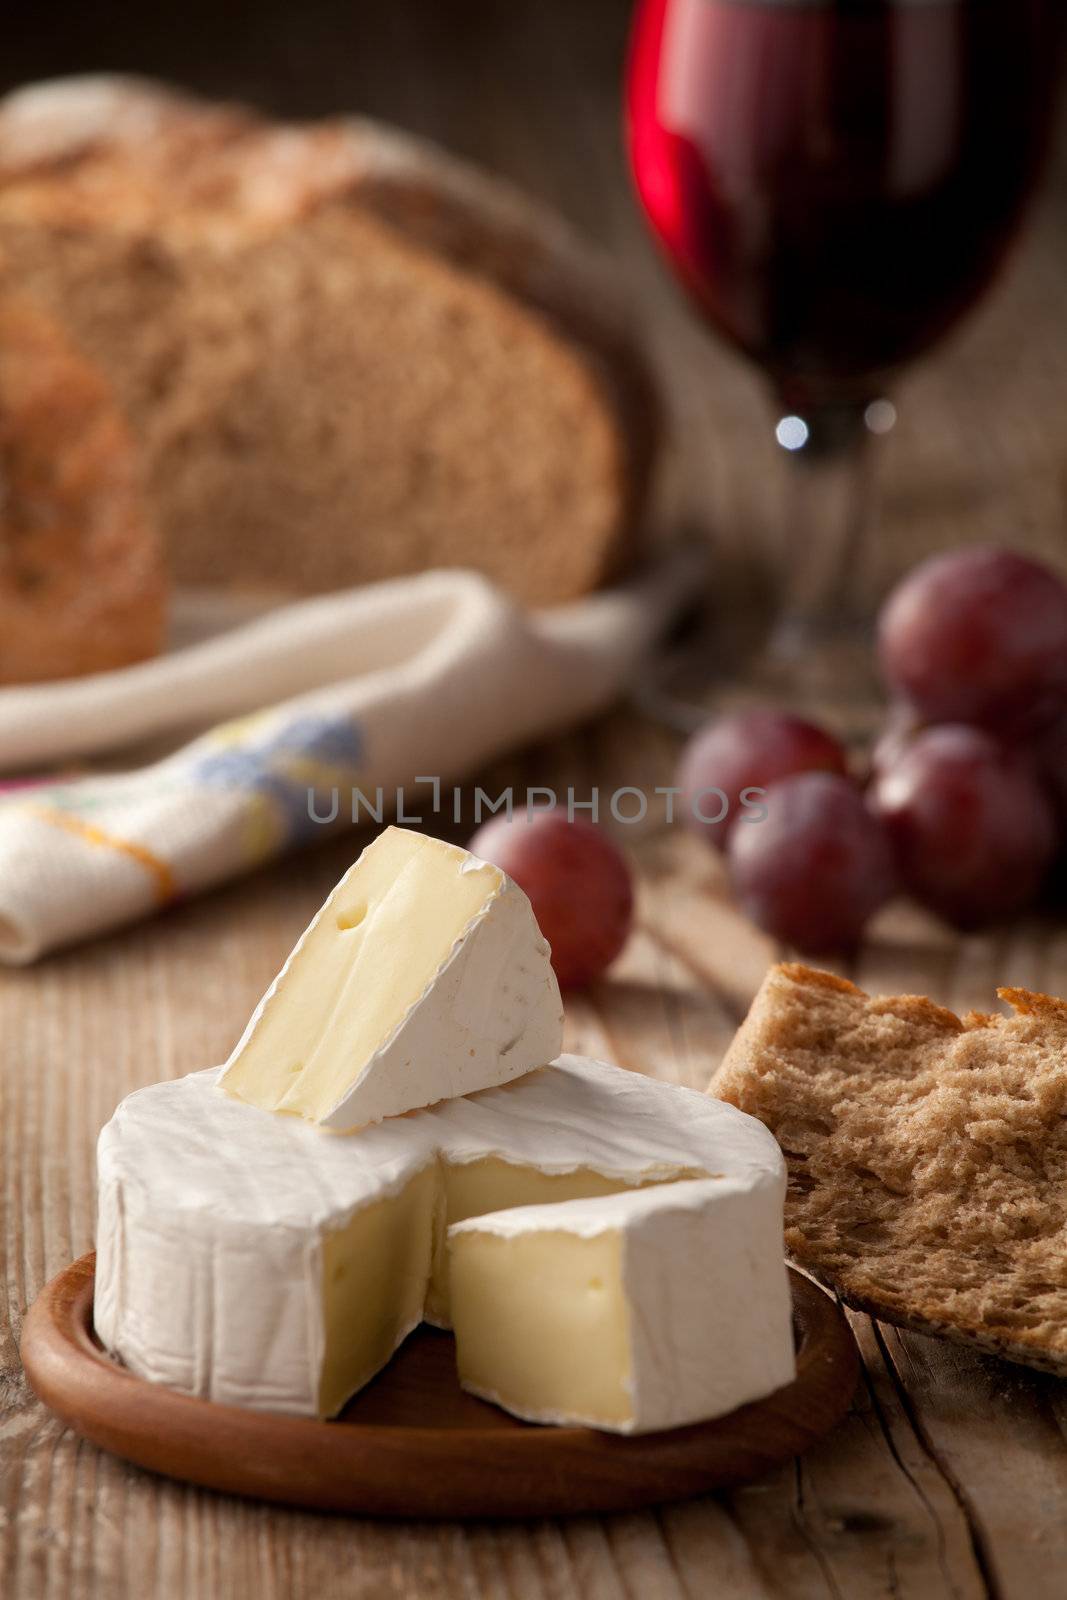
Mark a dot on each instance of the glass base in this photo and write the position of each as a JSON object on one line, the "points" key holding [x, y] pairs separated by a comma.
{"points": [[829, 677]]}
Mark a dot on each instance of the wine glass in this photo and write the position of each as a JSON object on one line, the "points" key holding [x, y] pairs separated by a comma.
{"points": [[835, 182]]}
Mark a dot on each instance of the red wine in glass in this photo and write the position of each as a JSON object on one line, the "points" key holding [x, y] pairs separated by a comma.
{"points": [[836, 182]]}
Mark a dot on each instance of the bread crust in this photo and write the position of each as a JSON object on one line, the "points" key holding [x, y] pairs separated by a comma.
{"points": [[136, 160], [926, 1154]]}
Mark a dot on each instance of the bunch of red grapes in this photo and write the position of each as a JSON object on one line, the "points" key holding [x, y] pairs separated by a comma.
{"points": [[964, 803]]}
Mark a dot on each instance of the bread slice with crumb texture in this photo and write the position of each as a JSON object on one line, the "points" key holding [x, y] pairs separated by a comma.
{"points": [[82, 581], [346, 356], [927, 1154]]}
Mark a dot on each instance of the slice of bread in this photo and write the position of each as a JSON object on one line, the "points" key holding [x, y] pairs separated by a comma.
{"points": [[82, 586], [347, 356], [927, 1154]]}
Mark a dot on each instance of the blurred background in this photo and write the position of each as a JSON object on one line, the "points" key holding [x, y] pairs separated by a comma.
{"points": [[531, 89], [837, 184]]}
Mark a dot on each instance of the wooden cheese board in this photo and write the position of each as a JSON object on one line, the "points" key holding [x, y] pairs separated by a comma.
{"points": [[413, 1444]]}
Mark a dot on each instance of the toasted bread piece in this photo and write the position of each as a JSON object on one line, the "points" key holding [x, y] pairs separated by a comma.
{"points": [[345, 355], [82, 586], [927, 1154]]}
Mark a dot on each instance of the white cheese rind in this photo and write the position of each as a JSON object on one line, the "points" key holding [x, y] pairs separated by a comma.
{"points": [[212, 1213], [491, 1010], [705, 1295], [210, 1222]]}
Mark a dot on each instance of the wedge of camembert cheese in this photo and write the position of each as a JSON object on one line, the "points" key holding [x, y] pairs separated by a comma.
{"points": [[256, 1260], [622, 1313], [423, 977]]}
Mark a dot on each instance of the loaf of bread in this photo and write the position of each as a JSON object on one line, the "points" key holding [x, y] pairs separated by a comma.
{"points": [[82, 585], [346, 356], [927, 1154]]}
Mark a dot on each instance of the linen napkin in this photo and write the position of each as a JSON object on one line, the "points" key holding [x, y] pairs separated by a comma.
{"points": [[368, 690]]}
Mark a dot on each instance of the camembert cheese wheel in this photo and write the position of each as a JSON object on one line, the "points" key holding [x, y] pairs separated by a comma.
{"points": [[259, 1260]]}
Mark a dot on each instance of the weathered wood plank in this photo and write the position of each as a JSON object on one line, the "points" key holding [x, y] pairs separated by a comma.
{"points": [[948, 1477], [896, 1503]]}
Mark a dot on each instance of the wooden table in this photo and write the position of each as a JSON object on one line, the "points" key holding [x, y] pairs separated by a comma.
{"points": [[949, 1477]]}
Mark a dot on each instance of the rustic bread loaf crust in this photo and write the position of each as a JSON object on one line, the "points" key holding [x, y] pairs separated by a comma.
{"points": [[82, 587], [927, 1154], [347, 356]]}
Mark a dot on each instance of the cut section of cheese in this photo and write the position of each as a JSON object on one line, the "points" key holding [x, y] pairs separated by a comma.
{"points": [[645, 1310], [259, 1261], [492, 1184], [375, 1272], [423, 977]]}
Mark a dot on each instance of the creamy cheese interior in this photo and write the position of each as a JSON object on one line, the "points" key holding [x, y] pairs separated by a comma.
{"points": [[389, 1268], [367, 958], [374, 1276], [478, 1187], [542, 1324]]}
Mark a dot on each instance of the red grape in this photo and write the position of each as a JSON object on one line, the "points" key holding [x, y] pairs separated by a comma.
{"points": [[972, 828], [816, 868], [750, 750], [978, 636], [577, 881]]}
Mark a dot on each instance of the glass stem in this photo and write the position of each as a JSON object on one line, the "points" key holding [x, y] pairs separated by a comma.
{"points": [[825, 594]]}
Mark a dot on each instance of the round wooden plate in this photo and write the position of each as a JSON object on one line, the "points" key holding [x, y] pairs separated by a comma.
{"points": [[412, 1444]]}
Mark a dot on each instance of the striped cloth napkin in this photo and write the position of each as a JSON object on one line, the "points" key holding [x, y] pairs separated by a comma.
{"points": [[267, 728]]}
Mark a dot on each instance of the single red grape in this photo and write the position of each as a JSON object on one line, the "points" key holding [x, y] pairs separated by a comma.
{"points": [[978, 636], [577, 881], [749, 750], [972, 828], [816, 868]]}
